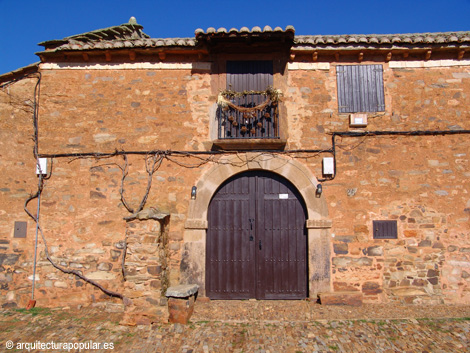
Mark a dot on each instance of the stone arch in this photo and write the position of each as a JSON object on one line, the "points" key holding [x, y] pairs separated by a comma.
{"points": [[193, 257], [302, 178]]}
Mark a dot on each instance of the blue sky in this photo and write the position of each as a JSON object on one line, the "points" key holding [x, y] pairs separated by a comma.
{"points": [[25, 23]]}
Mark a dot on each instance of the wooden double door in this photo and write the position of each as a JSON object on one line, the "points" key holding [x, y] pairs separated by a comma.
{"points": [[256, 239]]}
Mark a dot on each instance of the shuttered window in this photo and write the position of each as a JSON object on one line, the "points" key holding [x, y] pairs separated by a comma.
{"points": [[360, 88]]}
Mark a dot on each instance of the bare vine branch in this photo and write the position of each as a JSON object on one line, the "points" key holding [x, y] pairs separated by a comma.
{"points": [[60, 268], [125, 171], [152, 164]]}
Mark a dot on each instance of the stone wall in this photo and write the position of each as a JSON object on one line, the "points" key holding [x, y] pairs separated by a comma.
{"points": [[105, 110], [18, 180], [420, 181]]}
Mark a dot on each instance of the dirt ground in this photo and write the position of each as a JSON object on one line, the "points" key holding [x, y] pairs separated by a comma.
{"points": [[245, 326]]}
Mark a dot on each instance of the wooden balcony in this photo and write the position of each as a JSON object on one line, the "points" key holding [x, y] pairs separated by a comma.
{"points": [[249, 121], [251, 116]]}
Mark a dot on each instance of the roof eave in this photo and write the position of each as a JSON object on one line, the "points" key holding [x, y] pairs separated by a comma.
{"points": [[19, 73]]}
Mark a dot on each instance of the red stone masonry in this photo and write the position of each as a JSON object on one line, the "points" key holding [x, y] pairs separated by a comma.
{"points": [[165, 100]]}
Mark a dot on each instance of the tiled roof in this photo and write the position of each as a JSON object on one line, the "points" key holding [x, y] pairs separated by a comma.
{"points": [[130, 35], [385, 39], [73, 44], [243, 30], [21, 72], [127, 35]]}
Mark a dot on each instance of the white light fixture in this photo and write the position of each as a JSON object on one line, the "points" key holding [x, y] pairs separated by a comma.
{"points": [[319, 190]]}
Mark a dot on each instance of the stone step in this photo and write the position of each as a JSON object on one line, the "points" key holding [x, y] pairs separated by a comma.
{"points": [[341, 298]]}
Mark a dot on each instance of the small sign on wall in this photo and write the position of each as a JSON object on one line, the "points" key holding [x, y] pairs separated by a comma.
{"points": [[283, 196], [358, 120]]}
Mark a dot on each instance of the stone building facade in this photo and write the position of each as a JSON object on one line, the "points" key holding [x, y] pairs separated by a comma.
{"points": [[143, 135]]}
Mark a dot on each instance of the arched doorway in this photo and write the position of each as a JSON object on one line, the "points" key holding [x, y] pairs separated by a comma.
{"points": [[256, 244]]}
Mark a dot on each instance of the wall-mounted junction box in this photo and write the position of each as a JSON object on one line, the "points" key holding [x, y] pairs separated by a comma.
{"points": [[41, 167], [328, 166], [358, 120]]}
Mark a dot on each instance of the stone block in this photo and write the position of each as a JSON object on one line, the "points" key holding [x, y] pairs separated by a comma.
{"points": [[409, 291], [9, 305], [9, 259], [97, 195], [425, 243], [150, 239], [180, 309], [154, 270], [341, 248], [351, 261], [344, 287], [182, 290], [60, 284], [101, 275], [410, 233], [371, 288], [346, 238], [105, 266], [374, 251], [452, 248], [341, 298], [156, 284], [361, 229]]}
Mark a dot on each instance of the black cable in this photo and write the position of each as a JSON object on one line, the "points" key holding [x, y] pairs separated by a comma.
{"points": [[386, 133], [171, 152], [331, 150], [403, 133]]}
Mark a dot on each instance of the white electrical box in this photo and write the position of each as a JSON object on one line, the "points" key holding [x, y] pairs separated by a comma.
{"points": [[41, 167], [358, 120], [328, 166]]}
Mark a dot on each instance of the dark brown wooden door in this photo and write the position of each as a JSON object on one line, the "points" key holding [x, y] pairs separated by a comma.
{"points": [[256, 239]]}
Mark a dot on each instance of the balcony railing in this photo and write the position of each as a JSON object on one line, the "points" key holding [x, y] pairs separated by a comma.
{"points": [[250, 116]]}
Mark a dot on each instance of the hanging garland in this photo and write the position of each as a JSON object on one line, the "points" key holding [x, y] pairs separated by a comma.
{"points": [[272, 95]]}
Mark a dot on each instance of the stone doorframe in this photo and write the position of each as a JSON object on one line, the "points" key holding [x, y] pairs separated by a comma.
{"points": [[193, 260]]}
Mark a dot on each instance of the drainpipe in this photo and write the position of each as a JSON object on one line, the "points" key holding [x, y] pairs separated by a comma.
{"points": [[32, 302]]}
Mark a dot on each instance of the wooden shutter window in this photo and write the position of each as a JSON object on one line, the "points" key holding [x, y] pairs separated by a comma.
{"points": [[360, 88], [249, 75], [385, 229]]}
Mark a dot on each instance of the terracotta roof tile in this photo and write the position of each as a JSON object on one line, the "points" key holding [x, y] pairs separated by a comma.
{"points": [[130, 35], [256, 29], [410, 38], [8, 77]]}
